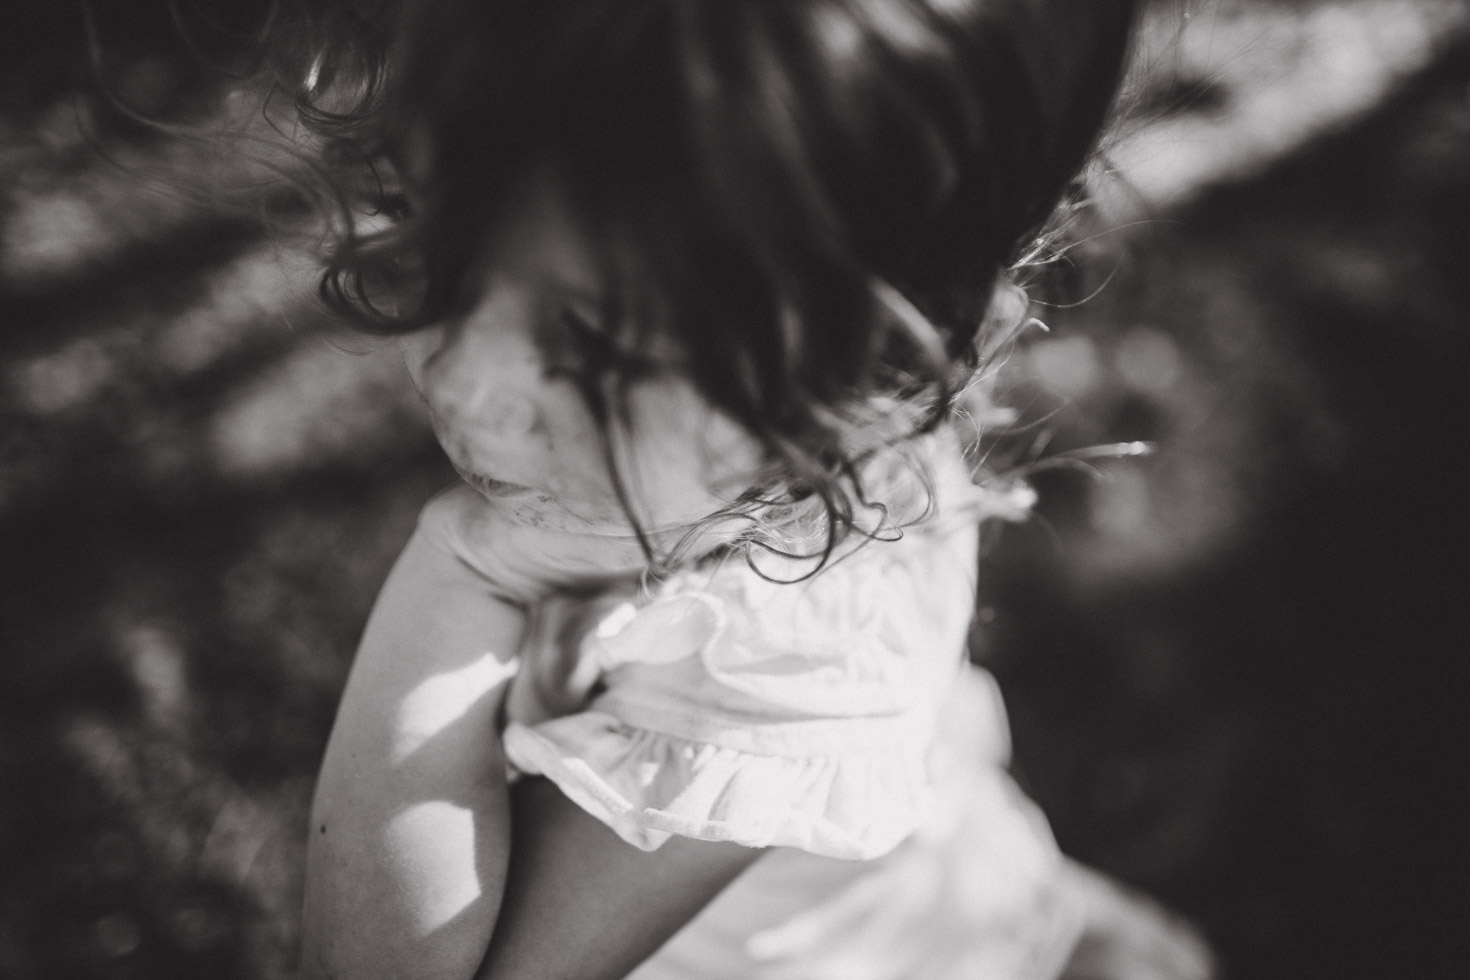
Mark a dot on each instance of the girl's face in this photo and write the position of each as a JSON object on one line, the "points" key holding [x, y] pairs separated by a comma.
{"points": [[499, 389]]}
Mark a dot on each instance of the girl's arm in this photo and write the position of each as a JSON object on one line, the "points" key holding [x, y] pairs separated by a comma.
{"points": [[409, 832], [582, 902], [409, 839]]}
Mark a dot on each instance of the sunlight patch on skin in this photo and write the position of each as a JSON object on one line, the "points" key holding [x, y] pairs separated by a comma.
{"points": [[443, 699], [441, 884]]}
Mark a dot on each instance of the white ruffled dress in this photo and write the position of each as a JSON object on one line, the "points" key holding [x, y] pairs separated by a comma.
{"points": [[836, 722]]}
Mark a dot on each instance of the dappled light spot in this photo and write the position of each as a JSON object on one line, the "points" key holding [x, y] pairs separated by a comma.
{"points": [[56, 232], [441, 700], [63, 380], [1159, 516], [62, 221], [45, 233], [318, 405], [1122, 508], [1148, 359], [1067, 366], [259, 292], [235, 838], [103, 750], [157, 665], [441, 886], [118, 934], [1280, 76]]}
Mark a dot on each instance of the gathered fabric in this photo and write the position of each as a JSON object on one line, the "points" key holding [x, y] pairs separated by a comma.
{"points": [[834, 721], [729, 707], [648, 786]]}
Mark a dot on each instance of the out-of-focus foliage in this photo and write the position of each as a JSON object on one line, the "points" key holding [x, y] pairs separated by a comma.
{"points": [[1219, 657]]}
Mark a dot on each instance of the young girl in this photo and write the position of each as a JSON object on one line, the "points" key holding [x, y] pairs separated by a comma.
{"points": [[674, 685]]}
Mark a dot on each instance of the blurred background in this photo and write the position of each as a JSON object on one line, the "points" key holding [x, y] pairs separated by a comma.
{"points": [[1234, 666]]}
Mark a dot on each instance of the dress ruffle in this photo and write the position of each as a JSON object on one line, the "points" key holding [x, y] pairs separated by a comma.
{"points": [[648, 786], [765, 710]]}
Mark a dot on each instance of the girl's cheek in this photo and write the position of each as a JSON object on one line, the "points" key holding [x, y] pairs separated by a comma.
{"points": [[576, 463], [681, 461], [478, 395], [418, 348]]}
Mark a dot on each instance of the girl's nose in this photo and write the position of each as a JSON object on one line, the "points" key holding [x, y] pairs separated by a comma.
{"points": [[498, 415], [477, 395]]}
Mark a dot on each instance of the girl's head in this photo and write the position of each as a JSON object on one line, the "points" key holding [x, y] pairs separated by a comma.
{"points": [[506, 384], [784, 213]]}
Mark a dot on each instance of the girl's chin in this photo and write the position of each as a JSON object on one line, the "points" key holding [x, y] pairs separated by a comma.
{"points": [[489, 487], [534, 509]]}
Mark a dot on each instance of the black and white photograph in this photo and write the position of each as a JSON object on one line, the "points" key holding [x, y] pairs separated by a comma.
{"points": [[734, 489]]}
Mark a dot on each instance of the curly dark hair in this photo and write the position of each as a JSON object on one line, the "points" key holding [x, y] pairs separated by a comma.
{"points": [[812, 200]]}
